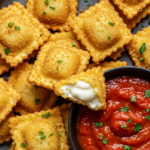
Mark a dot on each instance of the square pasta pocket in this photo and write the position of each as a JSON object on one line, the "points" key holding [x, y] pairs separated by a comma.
{"points": [[20, 34], [56, 61], [101, 30], [54, 14]]}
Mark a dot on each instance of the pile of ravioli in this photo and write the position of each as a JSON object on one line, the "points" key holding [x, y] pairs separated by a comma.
{"points": [[69, 63]]}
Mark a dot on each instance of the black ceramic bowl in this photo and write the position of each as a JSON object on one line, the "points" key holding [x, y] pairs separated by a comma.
{"points": [[113, 73]]}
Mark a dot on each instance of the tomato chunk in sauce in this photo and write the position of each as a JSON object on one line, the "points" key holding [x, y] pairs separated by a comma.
{"points": [[125, 124]]}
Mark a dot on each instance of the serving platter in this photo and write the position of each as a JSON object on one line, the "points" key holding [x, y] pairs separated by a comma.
{"points": [[81, 5]]}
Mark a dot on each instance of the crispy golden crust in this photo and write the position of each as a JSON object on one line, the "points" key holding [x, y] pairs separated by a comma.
{"points": [[65, 109], [134, 46], [131, 8], [20, 135], [58, 19], [23, 42], [94, 77], [117, 54], [12, 146], [47, 70], [131, 23], [9, 99], [4, 67], [5, 135], [108, 65], [106, 47], [30, 92]]}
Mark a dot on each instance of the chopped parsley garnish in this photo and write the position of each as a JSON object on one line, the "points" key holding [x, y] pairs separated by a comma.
{"points": [[129, 120], [36, 86], [22, 145], [85, 0], [73, 45], [89, 4], [44, 13], [142, 48], [46, 115], [46, 2], [10, 24], [142, 26], [6, 50], [52, 8], [142, 59], [149, 22], [126, 147], [133, 99], [147, 110], [51, 134], [105, 141], [37, 101], [98, 124], [101, 136], [60, 61], [17, 28], [110, 23], [59, 133], [57, 69], [137, 127], [109, 38], [124, 109], [148, 117], [43, 136], [123, 126], [147, 93]]}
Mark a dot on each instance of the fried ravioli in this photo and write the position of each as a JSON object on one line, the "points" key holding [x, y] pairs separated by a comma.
{"points": [[53, 14], [86, 88], [4, 67], [36, 131], [117, 54], [55, 62], [20, 34], [101, 30]]}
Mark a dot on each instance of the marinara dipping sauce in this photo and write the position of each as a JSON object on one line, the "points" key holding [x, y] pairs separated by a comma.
{"points": [[125, 124]]}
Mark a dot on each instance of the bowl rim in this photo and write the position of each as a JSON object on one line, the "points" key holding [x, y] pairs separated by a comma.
{"points": [[109, 74]]}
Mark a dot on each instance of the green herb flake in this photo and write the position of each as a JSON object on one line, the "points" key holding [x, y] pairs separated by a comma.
{"points": [[43, 136], [142, 48], [6, 50], [85, 0], [60, 61], [46, 115], [59, 132], [133, 99], [124, 109], [98, 124], [142, 26], [73, 45], [109, 38], [101, 136], [137, 127], [10, 24], [46, 2], [147, 93], [110, 23], [17, 28], [36, 87], [44, 13], [52, 8], [148, 117], [147, 110], [37, 101], [89, 4], [105, 141], [142, 59], [22, 145], [126, 147], [57, 69], [129, 120], [51, 134], [123, 126], [149, 22]]}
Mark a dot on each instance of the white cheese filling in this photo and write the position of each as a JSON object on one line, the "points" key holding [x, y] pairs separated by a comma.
{"points": [[81, 92]]}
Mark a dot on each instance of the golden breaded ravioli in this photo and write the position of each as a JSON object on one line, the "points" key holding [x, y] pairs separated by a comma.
{"points": [[4, 67], [41, 130], [54, 14], [56, 61], [117, 54], [101, 30], [86, 88], [20, 34]]}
